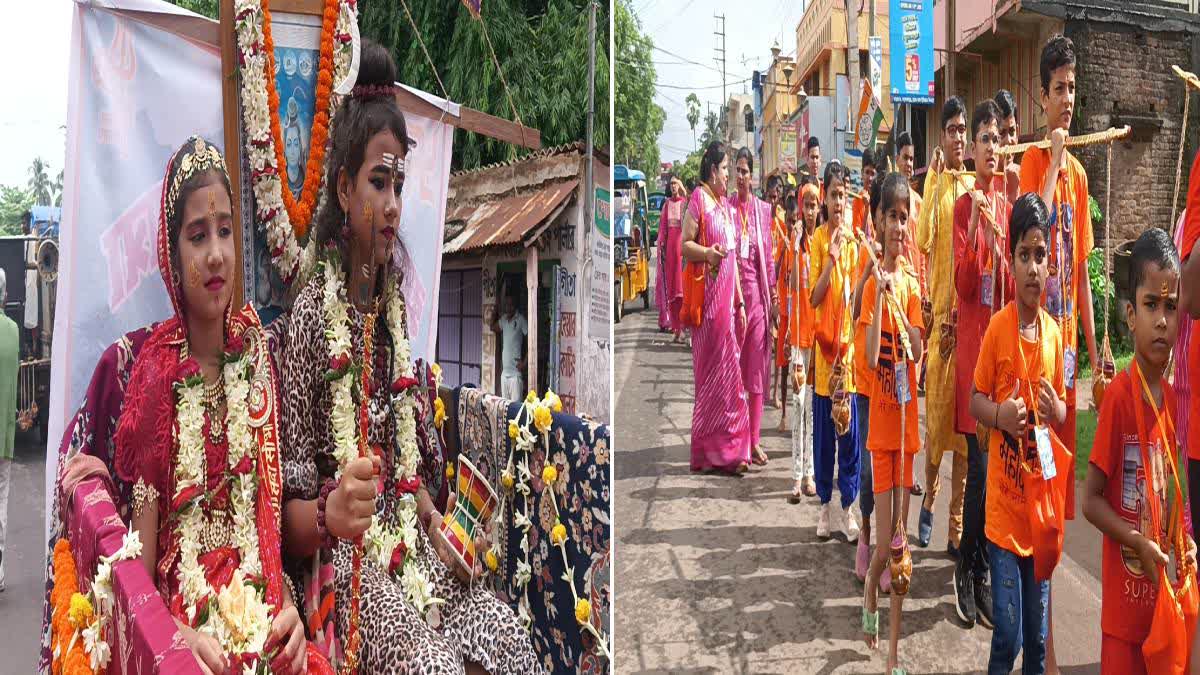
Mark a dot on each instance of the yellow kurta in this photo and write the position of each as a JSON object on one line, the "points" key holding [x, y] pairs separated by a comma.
{"points": [[935, 236], [837, 298]]}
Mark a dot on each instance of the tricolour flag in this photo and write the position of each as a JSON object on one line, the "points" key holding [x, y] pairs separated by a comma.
{"points": [[870, 116]]}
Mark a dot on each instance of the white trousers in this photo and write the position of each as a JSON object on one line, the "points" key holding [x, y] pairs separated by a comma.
{"points": [[512, 387], [802, 421], [5, 475]]}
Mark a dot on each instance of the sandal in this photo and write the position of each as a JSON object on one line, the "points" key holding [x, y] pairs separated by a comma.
{"points": [[796, 492], [870, 622], [760, 457]]}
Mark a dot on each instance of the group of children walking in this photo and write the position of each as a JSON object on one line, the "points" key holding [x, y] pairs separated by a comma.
{"points": [[988, 274]]}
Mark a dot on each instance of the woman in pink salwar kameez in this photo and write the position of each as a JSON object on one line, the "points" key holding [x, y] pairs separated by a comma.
{"points": [[720, 424], [756, 271], [669, 292]]}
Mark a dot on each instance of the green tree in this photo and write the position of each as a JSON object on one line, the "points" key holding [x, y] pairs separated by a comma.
{"points": [[693, 114], [39, 182], [639, 119], [207, 8], [14, 202], [712, 129], [57, 189], [542, 49]]}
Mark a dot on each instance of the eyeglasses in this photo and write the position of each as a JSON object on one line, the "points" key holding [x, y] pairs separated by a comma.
{"points": [[988, 139], [956, 129]]}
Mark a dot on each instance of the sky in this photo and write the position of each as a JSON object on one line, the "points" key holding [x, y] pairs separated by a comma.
{"points": [[682, 31], [35, 39]]}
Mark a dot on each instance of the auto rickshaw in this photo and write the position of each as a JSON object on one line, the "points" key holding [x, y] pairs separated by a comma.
{"points": [[631, 240]]}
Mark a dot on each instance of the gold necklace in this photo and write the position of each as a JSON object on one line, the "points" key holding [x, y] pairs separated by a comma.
{"points": [[214, 399]]}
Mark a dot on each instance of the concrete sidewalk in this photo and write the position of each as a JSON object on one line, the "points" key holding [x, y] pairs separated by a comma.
{"points": [[718, 574]]}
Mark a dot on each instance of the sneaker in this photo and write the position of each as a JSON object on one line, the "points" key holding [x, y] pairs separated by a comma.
{"points": [[823, 522], [924, 527], [862, 557], [964, 596], [983, 602], [850, 523]]}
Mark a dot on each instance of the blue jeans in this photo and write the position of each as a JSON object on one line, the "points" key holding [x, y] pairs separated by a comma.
{"points": [[824, 444], [866, 483], [1019, 612]]}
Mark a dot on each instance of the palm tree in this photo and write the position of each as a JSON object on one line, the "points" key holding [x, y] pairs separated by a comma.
{"points": [[39, 182], [693, 115], [58, 189]]}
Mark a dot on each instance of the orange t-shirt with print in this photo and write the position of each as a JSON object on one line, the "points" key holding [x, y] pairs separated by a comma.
{"points": [[800, 314], [1068, 248], [1120, 450], [884, 434], [1008, 366]]}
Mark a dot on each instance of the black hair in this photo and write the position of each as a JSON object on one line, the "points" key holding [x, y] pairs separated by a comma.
{"points": [[986, 111], [807, 179], [713, 154], [773, 181], [834, 170], [1153, 246], [1029, 211], [1006, 104], [1058, 51], [744, 153], [357, 120], [813, 142], [904, 139], [789, 202], [888, 190], [193, 183], [868, 158], [952, 108]]}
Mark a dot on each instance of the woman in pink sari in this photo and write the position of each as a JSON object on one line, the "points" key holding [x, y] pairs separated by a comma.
{"points": [[756, 268], [720, 425], [669, 292]]}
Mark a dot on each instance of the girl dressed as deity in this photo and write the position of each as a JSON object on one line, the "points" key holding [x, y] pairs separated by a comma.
{"points": [[197, 439], [347, 368]]}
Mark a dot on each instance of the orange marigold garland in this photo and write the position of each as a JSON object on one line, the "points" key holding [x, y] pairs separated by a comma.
{"points": [[284, 218], [67, 647], [300, 212]]}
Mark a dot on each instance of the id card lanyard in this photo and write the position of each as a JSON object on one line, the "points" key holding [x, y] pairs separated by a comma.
{"points": [[1166, 431], [1041, 433]]}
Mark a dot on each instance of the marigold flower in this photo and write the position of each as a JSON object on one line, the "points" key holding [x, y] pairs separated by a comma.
{"points": [[449, 471], [490, 560], [552, 401], [532, 397], [542, 419], [81, 610], [549, 474], [439, 413], [506, 479], [583, 611], [513, 429], [558, 535]]}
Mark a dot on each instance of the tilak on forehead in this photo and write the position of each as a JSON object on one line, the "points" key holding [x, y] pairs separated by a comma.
{"points": [[396, 164]]}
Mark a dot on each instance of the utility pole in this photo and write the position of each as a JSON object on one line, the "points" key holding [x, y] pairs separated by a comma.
{"points": [[719, 57], [852, 63], [590, 191]]}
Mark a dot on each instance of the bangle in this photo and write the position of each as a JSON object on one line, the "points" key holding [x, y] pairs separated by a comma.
{"points": [[327, 540]]}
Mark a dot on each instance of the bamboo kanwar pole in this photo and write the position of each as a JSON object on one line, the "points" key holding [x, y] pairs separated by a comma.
{"points": [[1106, 136], [1186, 76]]}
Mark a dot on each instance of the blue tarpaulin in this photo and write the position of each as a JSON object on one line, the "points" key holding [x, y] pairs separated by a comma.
{"points": [[44, 220]]}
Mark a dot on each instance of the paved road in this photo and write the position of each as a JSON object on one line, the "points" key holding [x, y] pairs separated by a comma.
{"points": [[720, 575], [24, 560]]}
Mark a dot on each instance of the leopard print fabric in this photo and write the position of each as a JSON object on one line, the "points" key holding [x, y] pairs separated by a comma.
{"points": [[475, 625]]}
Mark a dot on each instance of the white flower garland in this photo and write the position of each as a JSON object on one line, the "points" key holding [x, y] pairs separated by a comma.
{"points": [[240, 619], [95, 640], [266, 181], [538, 419], [380, 540]]}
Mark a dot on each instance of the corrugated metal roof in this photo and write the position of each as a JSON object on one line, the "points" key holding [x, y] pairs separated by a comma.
{"points": [[503, 222]]}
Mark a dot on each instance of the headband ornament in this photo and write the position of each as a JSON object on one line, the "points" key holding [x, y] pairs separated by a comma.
{"points": [[369, 91], [202, 159]]}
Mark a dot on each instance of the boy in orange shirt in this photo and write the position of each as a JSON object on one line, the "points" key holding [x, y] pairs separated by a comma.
{"points": [[1131, 463], [1062, 182], [861, 207], [832, 264], [1019, 393], [893, 344], [800, 336]]}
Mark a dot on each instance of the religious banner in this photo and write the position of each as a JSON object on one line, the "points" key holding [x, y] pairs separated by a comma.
{"points": [[787, 148], [600, 302], [135, 93]]}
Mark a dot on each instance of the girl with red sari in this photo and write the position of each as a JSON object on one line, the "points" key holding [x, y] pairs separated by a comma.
{"points": [[670, 278], [198, 440]]}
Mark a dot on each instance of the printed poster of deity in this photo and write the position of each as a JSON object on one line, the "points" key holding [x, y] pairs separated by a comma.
{"points": [[296, 81]]}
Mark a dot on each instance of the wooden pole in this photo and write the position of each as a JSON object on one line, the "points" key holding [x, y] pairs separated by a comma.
{"points": [[233, 144]]}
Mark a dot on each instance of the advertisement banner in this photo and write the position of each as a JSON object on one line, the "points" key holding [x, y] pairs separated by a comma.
{"points": [[911, 51], [599, 305], [875, 50], [787, 148]]}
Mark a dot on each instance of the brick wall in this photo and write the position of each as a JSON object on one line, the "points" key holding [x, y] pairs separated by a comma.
{"points": [[1124, 71]]}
